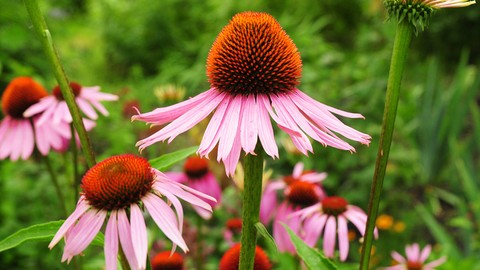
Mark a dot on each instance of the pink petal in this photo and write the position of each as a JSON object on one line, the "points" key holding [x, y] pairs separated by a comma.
{"points": [[360, 223], [212, 133], [232, 159], [397, 257], [16, 140], [139, 235], [343, 244], [249, 129], [229, 128], [329, 237], [40, 106], [313, 227], [28, 142], [86, 108], [268, 204], [413, 252], [425, 253], [297, 170], [265, 130], [124, 233], [111, 242], [431, 265], [47, 115]]}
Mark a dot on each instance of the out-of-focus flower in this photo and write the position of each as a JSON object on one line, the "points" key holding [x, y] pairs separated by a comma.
{"points": [[399, 226], [115, 187], [415, 259], [300, 190], [331, 216], [20, 134], [55, 108], [197, 175], [384, 222], [166, 260], [254, 69], [231, 259], [169, 93], [232, 230]]}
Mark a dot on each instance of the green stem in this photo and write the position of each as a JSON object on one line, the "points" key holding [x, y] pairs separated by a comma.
{"points": [[252, 193], [46, 39], [123, 260], [58, 190], [399, 57], [76, 179]]}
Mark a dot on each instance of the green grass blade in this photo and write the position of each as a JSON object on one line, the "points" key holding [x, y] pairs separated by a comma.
{"points": [[165, 161]]}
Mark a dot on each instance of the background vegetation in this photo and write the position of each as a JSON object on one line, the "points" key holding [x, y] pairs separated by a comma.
{"points": [[137, 48]]}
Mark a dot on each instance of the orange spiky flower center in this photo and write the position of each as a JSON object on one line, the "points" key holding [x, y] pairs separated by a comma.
{"points": [[334, 205], [254, 55], [76, 88], [230, 259], [414, 265], [195, 167], [235, 225], [117, 182], [21, 93], [302, 193], [165, 260]]}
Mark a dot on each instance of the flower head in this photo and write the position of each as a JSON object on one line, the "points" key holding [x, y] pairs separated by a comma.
{"points": [[231, 259], [54, 106], [166, 260], [19, 134], [197, 175], [331, 216], [254, 69], [117, 186], [415, 259]]}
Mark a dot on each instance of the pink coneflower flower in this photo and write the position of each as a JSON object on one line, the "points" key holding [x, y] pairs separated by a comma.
{"points": [[197, 175], [232, 231], [254, 69], [415, 259], [331, 216], [117, 186], [166, 260], [54, 106], [19, 134], [231, 259]]}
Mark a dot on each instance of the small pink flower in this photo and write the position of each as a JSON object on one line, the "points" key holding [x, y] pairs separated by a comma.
{"points": [[415, 259], [330, 216], [254, 69], [117, 186], [19, 134], [54, 106], [198, 176]]}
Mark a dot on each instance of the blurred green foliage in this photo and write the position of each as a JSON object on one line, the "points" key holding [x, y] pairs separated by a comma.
{"points": [[132, 47]]}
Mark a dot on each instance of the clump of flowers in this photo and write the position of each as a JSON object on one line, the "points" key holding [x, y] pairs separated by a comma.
{"points": [[114, 188], [415, 259]]}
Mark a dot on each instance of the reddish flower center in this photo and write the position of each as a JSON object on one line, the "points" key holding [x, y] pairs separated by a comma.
{"points": [[334, 205], [117, 182], [302, 193], [253, 55], [235, 225], [230, 259], [195, 167], [163, 261], [414, 265], [76, 88], [21, 93]]}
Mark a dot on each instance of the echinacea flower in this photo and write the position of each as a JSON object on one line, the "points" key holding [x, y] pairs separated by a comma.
{"points": [[19, 134], [54, 106], [415, 259], [197, 175], [231, 259], [166, 260], [254, 69], [331, 216], [440, 3], [233, 230], [117, 186]]}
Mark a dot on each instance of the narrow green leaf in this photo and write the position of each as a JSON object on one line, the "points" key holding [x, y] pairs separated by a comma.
{"points": [[165, 161], [37, 233], [262, 231], [312, 258]]}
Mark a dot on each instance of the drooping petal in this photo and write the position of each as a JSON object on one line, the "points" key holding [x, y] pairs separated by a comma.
{"points": [[433, 264], [111, 242], [40, 106], [229, 128], [248, 126], [397, 257], [329, 237], [313, 227], [86, 108], [268, 204], [125, 236], [425, 253], [265, 130], [139, 235], [28, 141], [343, 244], [212, 134]]}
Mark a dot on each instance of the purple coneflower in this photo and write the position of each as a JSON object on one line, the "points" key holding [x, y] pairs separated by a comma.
{"points": [[117, 186], [54, 106], [19, 134], [331, 216], [231, 258], [415, 259], [198, 176], [254, 69], [166, 260]]}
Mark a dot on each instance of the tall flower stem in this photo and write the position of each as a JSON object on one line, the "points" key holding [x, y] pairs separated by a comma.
{"points": [[401, 45], [41, 28], [252, 193], [56, 184], [76, 179]]}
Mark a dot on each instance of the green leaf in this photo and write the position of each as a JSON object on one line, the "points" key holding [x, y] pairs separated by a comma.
{"points": [[268, 238], [165, 161], [37, 233], [312, 258]]}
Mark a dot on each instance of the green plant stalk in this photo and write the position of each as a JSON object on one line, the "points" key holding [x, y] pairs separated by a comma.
{"points": [[252, 193], [41, 28], [58, 189], [401, 45], [76, 179]]}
